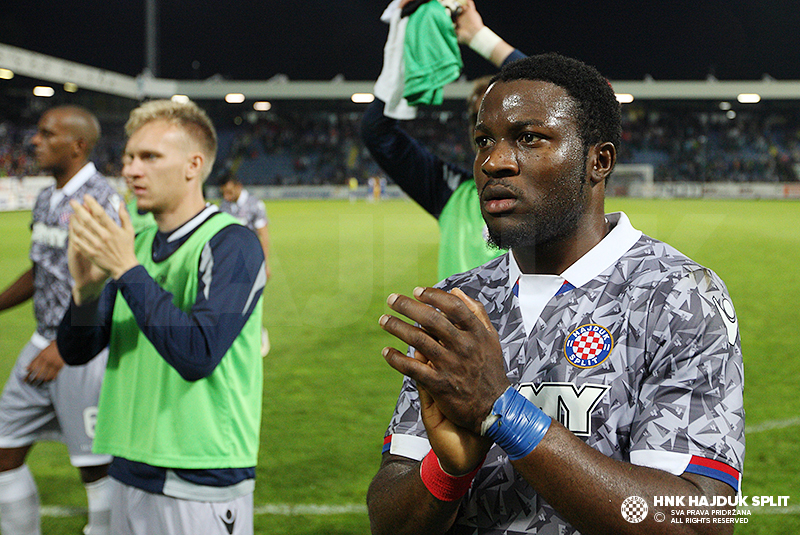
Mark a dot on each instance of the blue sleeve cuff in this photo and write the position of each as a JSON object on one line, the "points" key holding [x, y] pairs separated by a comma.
{"points": [[514, 56]]}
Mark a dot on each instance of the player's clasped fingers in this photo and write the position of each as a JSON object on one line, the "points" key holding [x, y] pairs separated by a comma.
{"points": [[413, 336], [83, 238], [87, 225], [98, 212], [80, 215], [83, 222], [422, 373], [456, 308], [428, 317], [76, 233]]}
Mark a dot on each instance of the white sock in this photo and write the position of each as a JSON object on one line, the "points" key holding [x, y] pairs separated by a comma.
{"points": [[98, 495], [19, 503]]}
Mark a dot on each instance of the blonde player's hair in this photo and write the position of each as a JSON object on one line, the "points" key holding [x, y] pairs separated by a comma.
{"points": [[187, 115]]}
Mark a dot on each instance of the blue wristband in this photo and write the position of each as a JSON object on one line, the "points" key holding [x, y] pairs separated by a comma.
{"points": [[518, 425]]}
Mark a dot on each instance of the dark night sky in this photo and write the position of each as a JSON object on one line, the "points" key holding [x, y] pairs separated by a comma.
{"points": [[315, 40]]}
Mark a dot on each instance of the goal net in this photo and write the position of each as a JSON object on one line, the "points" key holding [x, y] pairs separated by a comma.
{"points": [[631, 180]]}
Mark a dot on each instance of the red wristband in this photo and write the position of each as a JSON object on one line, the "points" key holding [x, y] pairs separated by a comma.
{"points": [[442, 485]]}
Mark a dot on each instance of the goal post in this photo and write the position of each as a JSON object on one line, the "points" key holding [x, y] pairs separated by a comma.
{"points": [[631, 180]]}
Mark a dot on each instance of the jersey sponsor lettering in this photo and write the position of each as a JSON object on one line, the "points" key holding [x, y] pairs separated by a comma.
{"points": [[49, 238], [570, 405], [43, 234]]}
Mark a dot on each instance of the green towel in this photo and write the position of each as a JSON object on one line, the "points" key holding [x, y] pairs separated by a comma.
{"points": [[431, 54]]}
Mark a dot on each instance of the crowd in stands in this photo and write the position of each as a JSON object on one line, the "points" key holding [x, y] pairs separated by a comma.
{"points": [[17, 158], [687, 142], [294, 148], [15, 151], [713, 146]]}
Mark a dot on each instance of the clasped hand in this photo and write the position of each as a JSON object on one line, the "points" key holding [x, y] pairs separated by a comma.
{"points": [[457, 366], [98, 247]]}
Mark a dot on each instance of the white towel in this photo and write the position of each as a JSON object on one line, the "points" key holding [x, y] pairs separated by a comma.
{"points": [[391, 8], [391, 82]]}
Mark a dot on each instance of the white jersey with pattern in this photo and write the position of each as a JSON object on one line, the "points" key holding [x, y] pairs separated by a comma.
{"points": [[249, 210], [637, 353], [49, 233]]}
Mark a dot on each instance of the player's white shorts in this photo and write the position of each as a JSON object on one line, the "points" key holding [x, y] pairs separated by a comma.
{"points": [[136, 512], [64, 409]]}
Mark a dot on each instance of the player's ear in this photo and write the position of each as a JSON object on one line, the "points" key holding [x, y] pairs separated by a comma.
{"points": [[601, 161], [194, 165], [79, 146]]}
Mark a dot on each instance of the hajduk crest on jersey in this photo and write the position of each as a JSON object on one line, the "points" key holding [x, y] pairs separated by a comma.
{"points": [[588, 345]]}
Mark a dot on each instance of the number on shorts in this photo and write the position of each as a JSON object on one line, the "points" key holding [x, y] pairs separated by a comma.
{"points": [[90, 420]]}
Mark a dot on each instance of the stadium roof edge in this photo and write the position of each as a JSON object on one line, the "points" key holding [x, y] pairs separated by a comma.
{"points": [[51, 69]]}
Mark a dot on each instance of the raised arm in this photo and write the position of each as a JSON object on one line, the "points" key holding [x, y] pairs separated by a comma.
{"points": [[422, 175], [475, 34]]}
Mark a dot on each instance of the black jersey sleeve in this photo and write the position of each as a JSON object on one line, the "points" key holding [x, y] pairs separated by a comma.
{"points": [[84, 330], [422, 175]]}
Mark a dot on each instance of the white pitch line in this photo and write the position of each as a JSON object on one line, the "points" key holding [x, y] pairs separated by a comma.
{"points": [[60, 511], [279, 509], [770, 425], [287, 509], [788, 510]]}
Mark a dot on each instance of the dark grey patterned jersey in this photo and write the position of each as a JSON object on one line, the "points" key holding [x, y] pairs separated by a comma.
{"points": [[50, 230], [637, 353], [249, 210]]}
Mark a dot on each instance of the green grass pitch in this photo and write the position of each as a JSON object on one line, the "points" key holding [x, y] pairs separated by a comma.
{"points": [[329, 394]]}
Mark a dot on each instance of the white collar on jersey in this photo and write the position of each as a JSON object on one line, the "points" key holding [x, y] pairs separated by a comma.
{"points": [[243, 196], [616, 243], [193, 223], [606, 253], [535, 291], [72, 185]]}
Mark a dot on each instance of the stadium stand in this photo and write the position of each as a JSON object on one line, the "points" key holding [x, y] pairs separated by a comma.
{"points": [[692, 141]]}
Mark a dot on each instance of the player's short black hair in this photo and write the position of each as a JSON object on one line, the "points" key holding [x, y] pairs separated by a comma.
{"points": [[599, 116], [228, 177]]}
